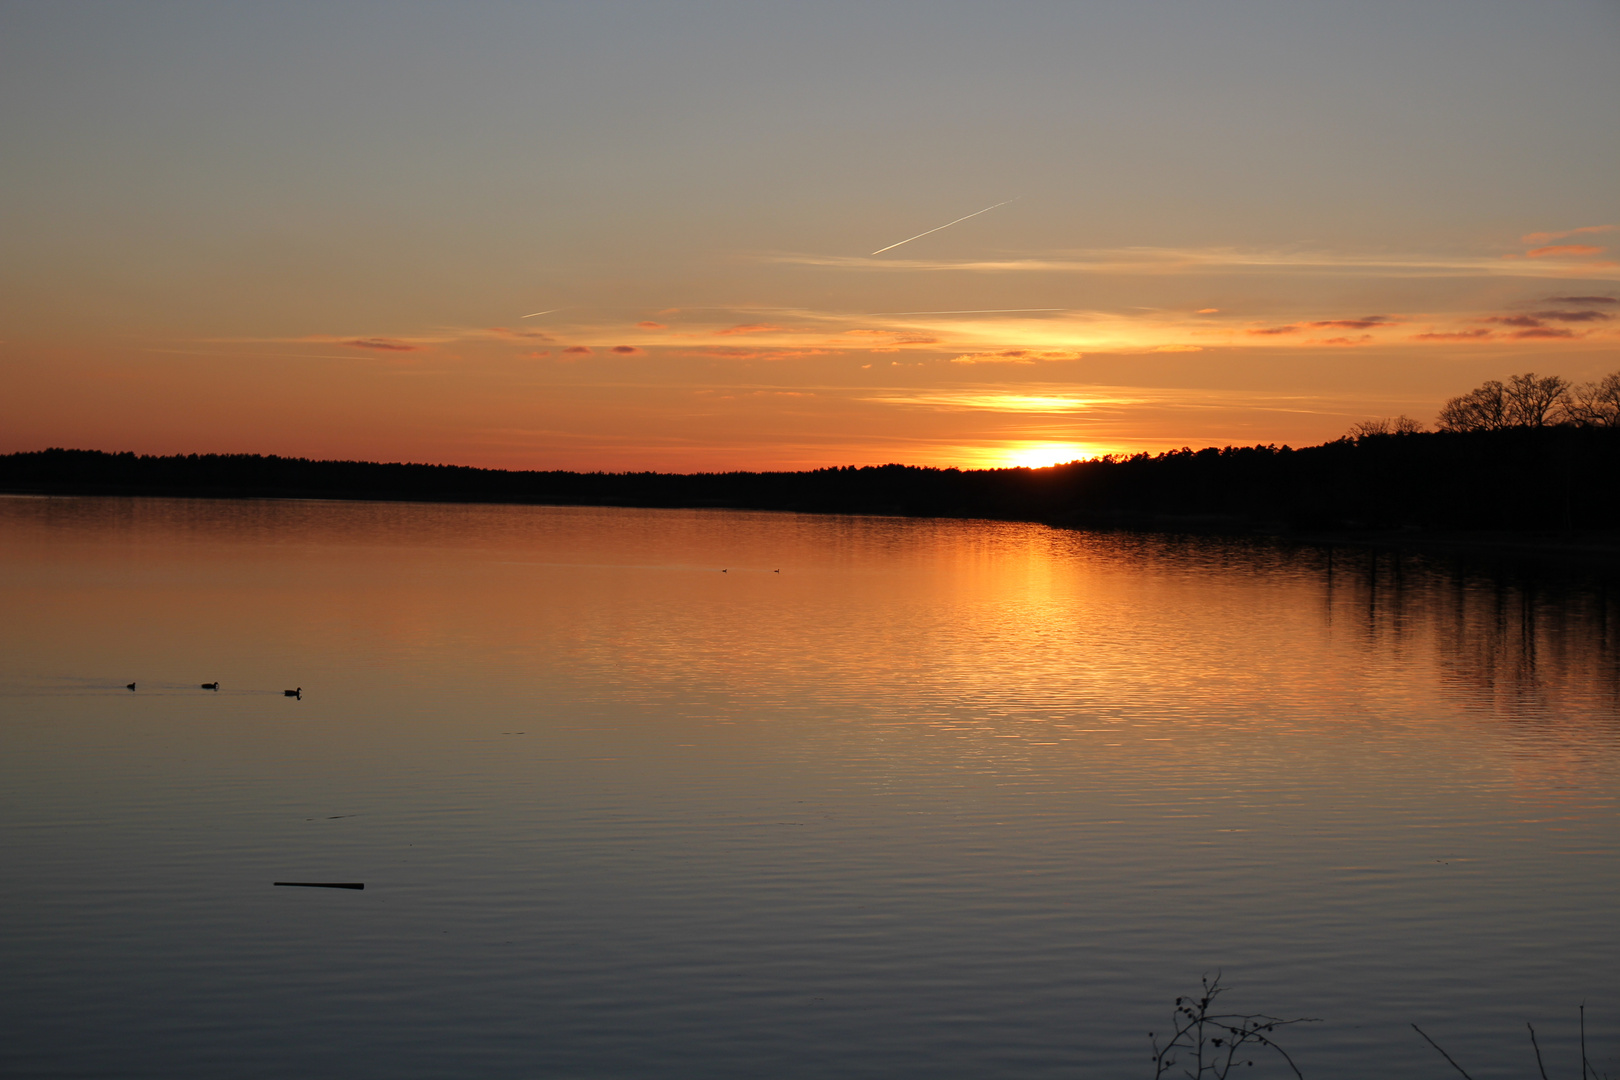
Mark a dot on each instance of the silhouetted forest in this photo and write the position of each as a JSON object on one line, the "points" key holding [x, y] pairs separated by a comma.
{"points": [[1522, 479]]}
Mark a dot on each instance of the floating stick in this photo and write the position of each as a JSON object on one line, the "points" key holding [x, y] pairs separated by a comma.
{"points": [[325, 884]]}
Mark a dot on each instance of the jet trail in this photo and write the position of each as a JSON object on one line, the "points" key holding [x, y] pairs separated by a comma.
{"points": [[532, 314], [947, 225]]}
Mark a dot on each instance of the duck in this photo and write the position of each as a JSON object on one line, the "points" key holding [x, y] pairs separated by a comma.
{"points": [[298, 693], [210, 686], [131, 686]]}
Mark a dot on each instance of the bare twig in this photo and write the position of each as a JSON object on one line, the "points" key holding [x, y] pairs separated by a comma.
{"points": [[1443, 1054], [1537, 1045]]}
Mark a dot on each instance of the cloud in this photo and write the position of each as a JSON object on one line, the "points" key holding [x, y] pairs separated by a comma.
{"points": [[1582, 300], [1459, 335], [1587, 315], [1538, 238], [651, 326], [1209, 311], [1361, 340], [724, 352], [1563, 251], [992, 401], [1154, 261], [577, 350], [1017, 356], [1543, 332], [1178, 348], [629, 350], [1513, 320], [1366, 323], [539, 354], [526, 335], [749, 328], [380, 344], [1271, 330]]}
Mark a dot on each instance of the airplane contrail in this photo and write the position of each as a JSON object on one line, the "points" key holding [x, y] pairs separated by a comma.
{"points": [[947, 225], [548, 311], [971, 311]]}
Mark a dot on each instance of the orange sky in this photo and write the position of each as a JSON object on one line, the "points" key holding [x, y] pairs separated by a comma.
{"points": [[328, 234]]}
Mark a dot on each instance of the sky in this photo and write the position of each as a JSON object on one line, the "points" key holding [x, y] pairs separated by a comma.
{"points": [[651, 236]]}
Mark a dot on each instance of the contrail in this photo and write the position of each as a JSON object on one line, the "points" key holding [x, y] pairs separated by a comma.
{"points": [[971, 311], [947, 225], [548, 311]]}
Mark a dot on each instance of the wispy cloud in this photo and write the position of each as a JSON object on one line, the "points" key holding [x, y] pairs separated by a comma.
{"points": [[1536, 239], [1182, 261], [380, 344], [1365, 323], [993, 401], [1586, 315], [1018, 356], [628, 350], [519, 335], [725, 352], [1563, 251]]}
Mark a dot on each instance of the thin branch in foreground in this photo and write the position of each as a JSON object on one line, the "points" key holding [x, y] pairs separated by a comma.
{"points": [[1443, 1054], [1537, 1045]]}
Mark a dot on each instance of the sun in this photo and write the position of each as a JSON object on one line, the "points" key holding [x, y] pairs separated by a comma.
{"points": [[1041, 455]]}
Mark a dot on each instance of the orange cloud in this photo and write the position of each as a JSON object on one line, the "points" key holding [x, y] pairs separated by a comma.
{"points": [[381, 344], [628, 350], [1539, 238], [1543, 332], [527, 335], [651, 326], [1362, 340], [750, 328], [539, 354], [577, 350], [1016, 356], [1563, 251], [1586, 315], [1209, 311], [1365, 323], [721, 352], [1582, 300], [1460, 335]]}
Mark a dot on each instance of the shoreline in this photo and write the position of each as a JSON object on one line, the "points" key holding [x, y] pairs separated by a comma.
{"points": [[1597, 547]]}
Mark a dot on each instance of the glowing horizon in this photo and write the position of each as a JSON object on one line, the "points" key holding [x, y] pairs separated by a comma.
{"points": [[228, 234]]}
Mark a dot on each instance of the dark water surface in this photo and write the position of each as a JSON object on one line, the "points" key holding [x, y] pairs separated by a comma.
{"points": [[939, 799]]}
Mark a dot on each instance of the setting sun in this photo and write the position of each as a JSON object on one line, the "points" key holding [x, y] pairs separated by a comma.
{"points": [[1041, 455]]}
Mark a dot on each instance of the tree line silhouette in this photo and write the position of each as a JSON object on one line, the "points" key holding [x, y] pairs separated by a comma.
{"points": [[1532, 455]]}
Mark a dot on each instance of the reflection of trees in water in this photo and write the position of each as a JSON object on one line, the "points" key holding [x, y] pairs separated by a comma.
{"points": [[1524, 641]]}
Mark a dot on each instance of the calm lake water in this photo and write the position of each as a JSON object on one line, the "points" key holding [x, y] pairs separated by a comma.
{"points": [[698, 793]]}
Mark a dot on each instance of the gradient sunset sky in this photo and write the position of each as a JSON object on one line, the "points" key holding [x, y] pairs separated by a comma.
{"points": [[330, 230]]}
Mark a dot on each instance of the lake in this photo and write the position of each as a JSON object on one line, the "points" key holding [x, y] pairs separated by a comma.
{"points": [[662, 793]]}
